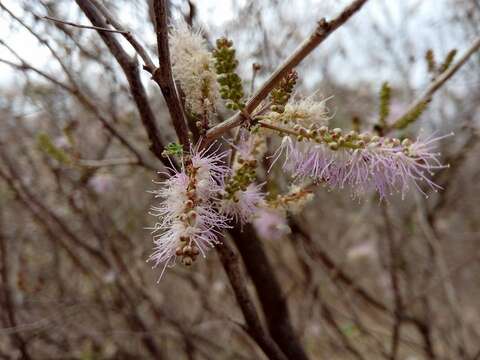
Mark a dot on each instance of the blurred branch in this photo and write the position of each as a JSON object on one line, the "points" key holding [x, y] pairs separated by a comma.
{"points": [[39, 217], [427, 95], [8, 302], [130, 68], [330, 319], [107, 162], [73, 89], [269, 291], [336, 270], [394, 256], [323, 30], [84, 26], [453, 302], [238, 282], [127, 35]]}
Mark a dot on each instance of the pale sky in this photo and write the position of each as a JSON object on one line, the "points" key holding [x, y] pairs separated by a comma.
{"points": [[387, 13]]}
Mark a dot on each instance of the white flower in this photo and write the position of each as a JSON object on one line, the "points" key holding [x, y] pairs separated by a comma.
{"points": [[192, 66], [304, 112]]}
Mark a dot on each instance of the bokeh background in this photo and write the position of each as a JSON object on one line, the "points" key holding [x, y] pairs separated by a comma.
{"points": [[359, 276]]}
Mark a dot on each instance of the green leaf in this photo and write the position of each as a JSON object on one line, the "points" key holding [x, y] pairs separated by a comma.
{"points": [[385, 101], [46, 145], [173, 149], [448, 61]]}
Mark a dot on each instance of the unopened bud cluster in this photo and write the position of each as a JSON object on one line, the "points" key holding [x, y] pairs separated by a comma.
{"points": [[230, 83], [282, 93], [187, 250], [337, 138], [188, 253], [242, 178], [242, 196]]}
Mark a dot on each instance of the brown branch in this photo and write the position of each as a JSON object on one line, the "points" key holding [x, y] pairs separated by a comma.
{"points": [[84, 26], [18, 185], [339, 274], [8, 305], [330, 319], [163, 75], [88, 104], [149, 65], [323, 30], [272, 299], [39, 217], [131, 70], [395, 282], [237, 280]]}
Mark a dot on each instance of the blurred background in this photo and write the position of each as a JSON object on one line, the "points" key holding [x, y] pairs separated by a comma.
{"points": [[362, 279]]}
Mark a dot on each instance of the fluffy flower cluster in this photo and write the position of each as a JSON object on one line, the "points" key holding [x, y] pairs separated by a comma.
{"points": [[199, 201], [385, 165], [192, 65], [304, 112], [189, 222]]}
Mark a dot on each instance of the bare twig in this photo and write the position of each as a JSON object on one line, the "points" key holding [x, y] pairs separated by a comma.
{"points": [[322, 31], [72, 88], [85, 26], [330, 319], [107, 162]]}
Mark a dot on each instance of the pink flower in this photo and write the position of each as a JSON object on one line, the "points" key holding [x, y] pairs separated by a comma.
{"points": [[383, 164], [244, 204], [271, 223], [188, 221], [102, 183]]}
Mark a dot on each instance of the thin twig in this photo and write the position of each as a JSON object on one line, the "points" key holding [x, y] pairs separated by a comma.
{"points": [[322, 31], [107, 162], [84, 26]]}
